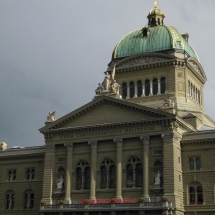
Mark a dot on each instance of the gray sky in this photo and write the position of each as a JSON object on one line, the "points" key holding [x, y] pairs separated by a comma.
{"points": [[53, 54]]}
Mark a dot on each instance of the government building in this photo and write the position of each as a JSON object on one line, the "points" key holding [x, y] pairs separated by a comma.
{"points": [[142, 146]]}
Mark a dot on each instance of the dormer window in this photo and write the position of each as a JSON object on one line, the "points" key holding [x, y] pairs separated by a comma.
{"points": [[145, 32]]}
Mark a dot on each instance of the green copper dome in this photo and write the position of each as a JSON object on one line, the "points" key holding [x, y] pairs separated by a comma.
{"points": [[159, 38]]}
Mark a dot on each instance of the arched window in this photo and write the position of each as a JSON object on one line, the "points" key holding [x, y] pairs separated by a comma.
{"points": [[191, 163], [192, 195], [87, 178], [129, 175], [139, 88], [198, 163], [163, 85], [196, 194], [10, 200], [29, 200], [112, 176], [191, 90], [189, 87], [78, 178], [159, 21], [147, 88], [103, 177], [124, 90], [132, 89], [199, 97], [155, 86], [139, 175]]}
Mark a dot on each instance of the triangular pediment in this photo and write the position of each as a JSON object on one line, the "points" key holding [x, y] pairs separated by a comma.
{"points": [[106, 110]]}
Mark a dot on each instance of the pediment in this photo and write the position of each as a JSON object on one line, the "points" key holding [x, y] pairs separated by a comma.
{"points": [[197, 67], [106, 110]]}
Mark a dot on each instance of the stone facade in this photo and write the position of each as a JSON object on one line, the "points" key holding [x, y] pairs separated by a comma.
{"points": [[146, 148]]}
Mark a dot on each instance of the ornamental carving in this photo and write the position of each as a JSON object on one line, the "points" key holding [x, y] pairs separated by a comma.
{"points": [[93, 144], [168, 138], [130, 154], [119, 142], [50, 148], [196, 67], [142, 60], [106, 155], [78, 158], [145, 139], [69, 146]]}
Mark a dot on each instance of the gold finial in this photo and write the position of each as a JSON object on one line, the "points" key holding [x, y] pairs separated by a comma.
{"points": [[155, 4]]}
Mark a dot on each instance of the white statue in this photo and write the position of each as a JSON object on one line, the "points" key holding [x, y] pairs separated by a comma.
{"points": [[106, 82], [51, 116], [99, 89], [158, 178], [114, 88], [60, 183], [3, 146]]}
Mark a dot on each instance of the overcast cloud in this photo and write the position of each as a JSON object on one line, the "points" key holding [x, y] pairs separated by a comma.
{"points": [[53, 54]]}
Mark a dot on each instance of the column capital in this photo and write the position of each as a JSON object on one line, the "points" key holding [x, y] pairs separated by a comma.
{"points": [[118, 141], [170, 137], [145, 139], [69, 146], [93, 144], [50, 148]]}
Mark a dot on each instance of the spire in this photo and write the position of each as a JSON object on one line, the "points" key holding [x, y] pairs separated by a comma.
{"points": [[155, 16]]}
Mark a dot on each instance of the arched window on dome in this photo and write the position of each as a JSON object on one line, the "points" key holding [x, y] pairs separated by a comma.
{"points": [[147, 87], [132, 90], [191, 90], [155, 86], [139, 88], [124, 90], [194, 93], [163, 85], [199, 97], [87, 178], [139, 175], [103, 177]]}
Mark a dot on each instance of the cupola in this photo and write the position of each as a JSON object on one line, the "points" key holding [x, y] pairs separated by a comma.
{"points": [[155, 16]]}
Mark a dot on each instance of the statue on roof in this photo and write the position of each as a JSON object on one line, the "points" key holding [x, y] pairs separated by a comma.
{"points": [[99, 89], [51, 116], [106, 82]]}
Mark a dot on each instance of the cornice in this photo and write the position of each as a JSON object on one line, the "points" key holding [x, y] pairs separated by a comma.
{"points": [[22, 156]]}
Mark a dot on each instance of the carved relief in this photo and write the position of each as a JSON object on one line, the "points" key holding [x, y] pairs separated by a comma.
{"points": [[142, 60], [106, 155], [93, 144], [168, 138], [50, 148], [119, 142], [69, 146]]}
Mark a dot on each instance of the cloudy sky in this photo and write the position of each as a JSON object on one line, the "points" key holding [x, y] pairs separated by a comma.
{"points": [[53, 54]]}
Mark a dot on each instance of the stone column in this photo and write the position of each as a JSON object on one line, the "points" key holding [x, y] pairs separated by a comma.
{"points": [[68, 172], [145, 140], [151, 87], [119, 143], [135, 90], [93, 144], [143, 90], [49, 164], [128, 92], [159, 87]]}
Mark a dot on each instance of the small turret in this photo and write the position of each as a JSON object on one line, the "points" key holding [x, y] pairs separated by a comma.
{"points": [[155, 16]]}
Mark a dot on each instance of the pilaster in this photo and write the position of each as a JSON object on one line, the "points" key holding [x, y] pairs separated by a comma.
{"points": [[172, 186], [93, 144], [145, 141], [68, 172], [49, 164], [119, 144]]}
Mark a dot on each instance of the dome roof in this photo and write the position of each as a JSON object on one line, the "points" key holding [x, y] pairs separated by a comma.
{"points": [[159, 38]]}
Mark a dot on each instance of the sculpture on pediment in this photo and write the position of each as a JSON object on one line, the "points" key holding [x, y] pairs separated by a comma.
{"points": [[114, 88], [51, 116], [157, 178], [99, 89], [3, 146], [60, 183], [106, 82]]}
